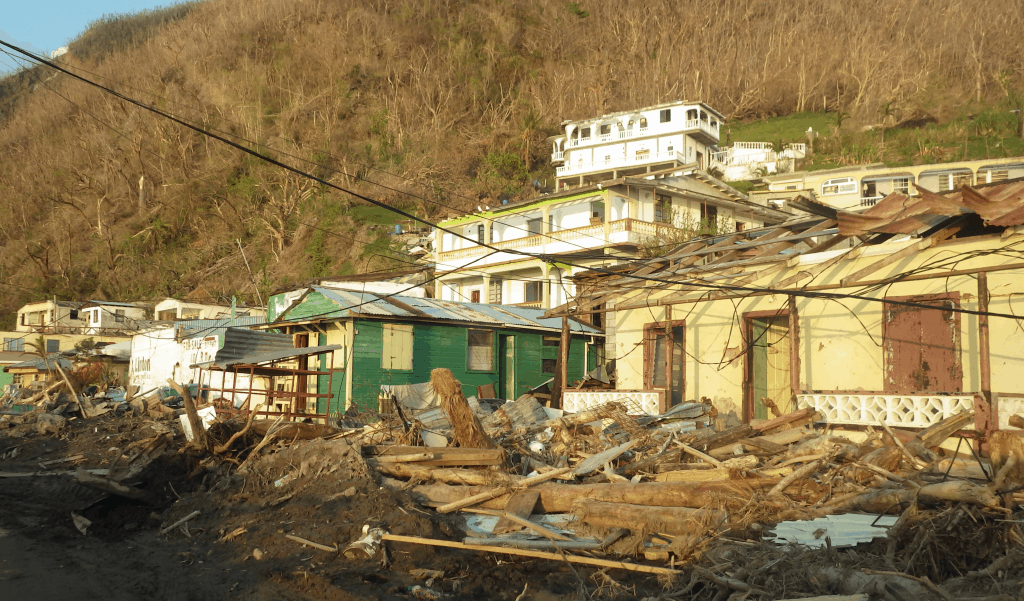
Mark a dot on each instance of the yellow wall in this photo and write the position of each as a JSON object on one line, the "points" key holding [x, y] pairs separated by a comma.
{"points": [[840, 341]]}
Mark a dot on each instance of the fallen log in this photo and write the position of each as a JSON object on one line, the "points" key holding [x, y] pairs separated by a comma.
{"points": [[106, 485], [447, 456], [559, 498], [800, 417], [293, 430], [199, 436], [490, 494], [444, 474], [646, 518], [786, 437]]}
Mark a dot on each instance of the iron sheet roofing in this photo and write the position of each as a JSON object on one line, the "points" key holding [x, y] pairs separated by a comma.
{"points": [[266, 357], [352, 303]]}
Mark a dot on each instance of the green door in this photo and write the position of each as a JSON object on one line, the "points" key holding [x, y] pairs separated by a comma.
{"points": [[507, 375], [770, 365]]}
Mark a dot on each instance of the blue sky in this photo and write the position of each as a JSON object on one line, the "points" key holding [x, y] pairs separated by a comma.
{"points": [[46, 26]]}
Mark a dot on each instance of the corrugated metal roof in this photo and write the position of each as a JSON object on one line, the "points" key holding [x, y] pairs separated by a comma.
{"points": [[999, 204], [194, 325], [38, 364], [240, 345], [266, 357], [352, 303]]}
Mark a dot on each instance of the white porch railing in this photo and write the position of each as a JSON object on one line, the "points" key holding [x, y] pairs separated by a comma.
{"points": [[870, 201], [866, 409], [557, 156]]}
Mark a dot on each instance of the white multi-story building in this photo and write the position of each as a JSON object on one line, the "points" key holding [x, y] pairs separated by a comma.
{"points": [[631, 143]]}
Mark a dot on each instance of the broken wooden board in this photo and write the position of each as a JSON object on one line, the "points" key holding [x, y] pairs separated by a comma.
{"points": [[106, 485], [935, 434], [520, 505], [800, 417], [446, 456], [707, 440], [596, 462]]}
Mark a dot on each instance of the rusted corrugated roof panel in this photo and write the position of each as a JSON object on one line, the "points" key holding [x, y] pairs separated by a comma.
{"points": [[999, 204], [900, 214]]}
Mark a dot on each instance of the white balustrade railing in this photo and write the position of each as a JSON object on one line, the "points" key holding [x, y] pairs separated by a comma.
{"points": [[590, 236], [759, 152], [557, 156], [866, 409], [619, 161]]}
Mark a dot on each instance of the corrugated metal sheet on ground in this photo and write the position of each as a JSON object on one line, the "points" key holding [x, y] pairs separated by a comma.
{"points": [[845, 530]]}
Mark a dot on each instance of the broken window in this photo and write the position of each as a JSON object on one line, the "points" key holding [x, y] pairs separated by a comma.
{"points": [[119, 315], [666, 115], [397, 348], [481, 350], [534, 226], [547, 366]]}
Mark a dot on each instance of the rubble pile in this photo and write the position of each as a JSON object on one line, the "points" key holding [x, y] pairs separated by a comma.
{"points": [[515, 500]]}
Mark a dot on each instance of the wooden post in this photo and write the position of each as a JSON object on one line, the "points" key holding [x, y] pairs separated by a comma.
{"points": [[561, 379], [985, 368], [794, 349]]}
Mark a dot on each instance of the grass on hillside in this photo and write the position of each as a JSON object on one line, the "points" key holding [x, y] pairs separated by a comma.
{"points": [[790, 128]]}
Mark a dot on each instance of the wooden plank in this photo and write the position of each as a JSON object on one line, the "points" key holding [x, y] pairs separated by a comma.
{"points": [[444, 453], [520, 505], [786, 422], [527, 553], [896, 257]]}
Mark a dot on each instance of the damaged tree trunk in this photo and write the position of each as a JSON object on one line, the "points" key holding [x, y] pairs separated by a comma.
{"points": [[469, 432], [667, 520]]}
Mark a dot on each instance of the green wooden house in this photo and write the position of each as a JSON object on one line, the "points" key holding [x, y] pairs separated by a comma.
{"points": [[390, 340]]}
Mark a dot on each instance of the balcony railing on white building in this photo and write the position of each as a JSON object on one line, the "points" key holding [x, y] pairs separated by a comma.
{"points": [[748, 153], [590, 236], [661, 129], [557, 156], [619, 162]]}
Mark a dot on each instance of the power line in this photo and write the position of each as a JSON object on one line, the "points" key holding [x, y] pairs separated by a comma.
{"points": [[541, 256]]}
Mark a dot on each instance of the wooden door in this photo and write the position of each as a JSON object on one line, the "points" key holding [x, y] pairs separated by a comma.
{"points": [[922, 347], [665, 360]]}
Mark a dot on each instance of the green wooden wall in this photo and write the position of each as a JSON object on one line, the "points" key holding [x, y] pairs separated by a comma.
{"points": [[440, 345]]}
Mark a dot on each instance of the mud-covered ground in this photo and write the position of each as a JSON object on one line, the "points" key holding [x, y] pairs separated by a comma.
{"points": [[318, 490]]}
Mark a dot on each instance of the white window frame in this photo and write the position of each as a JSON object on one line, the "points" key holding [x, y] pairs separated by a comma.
{"points": [[841, 185]]}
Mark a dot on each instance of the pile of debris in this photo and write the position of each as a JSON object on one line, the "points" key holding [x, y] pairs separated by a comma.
{"points": [[605, 502], [603, 487]]}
